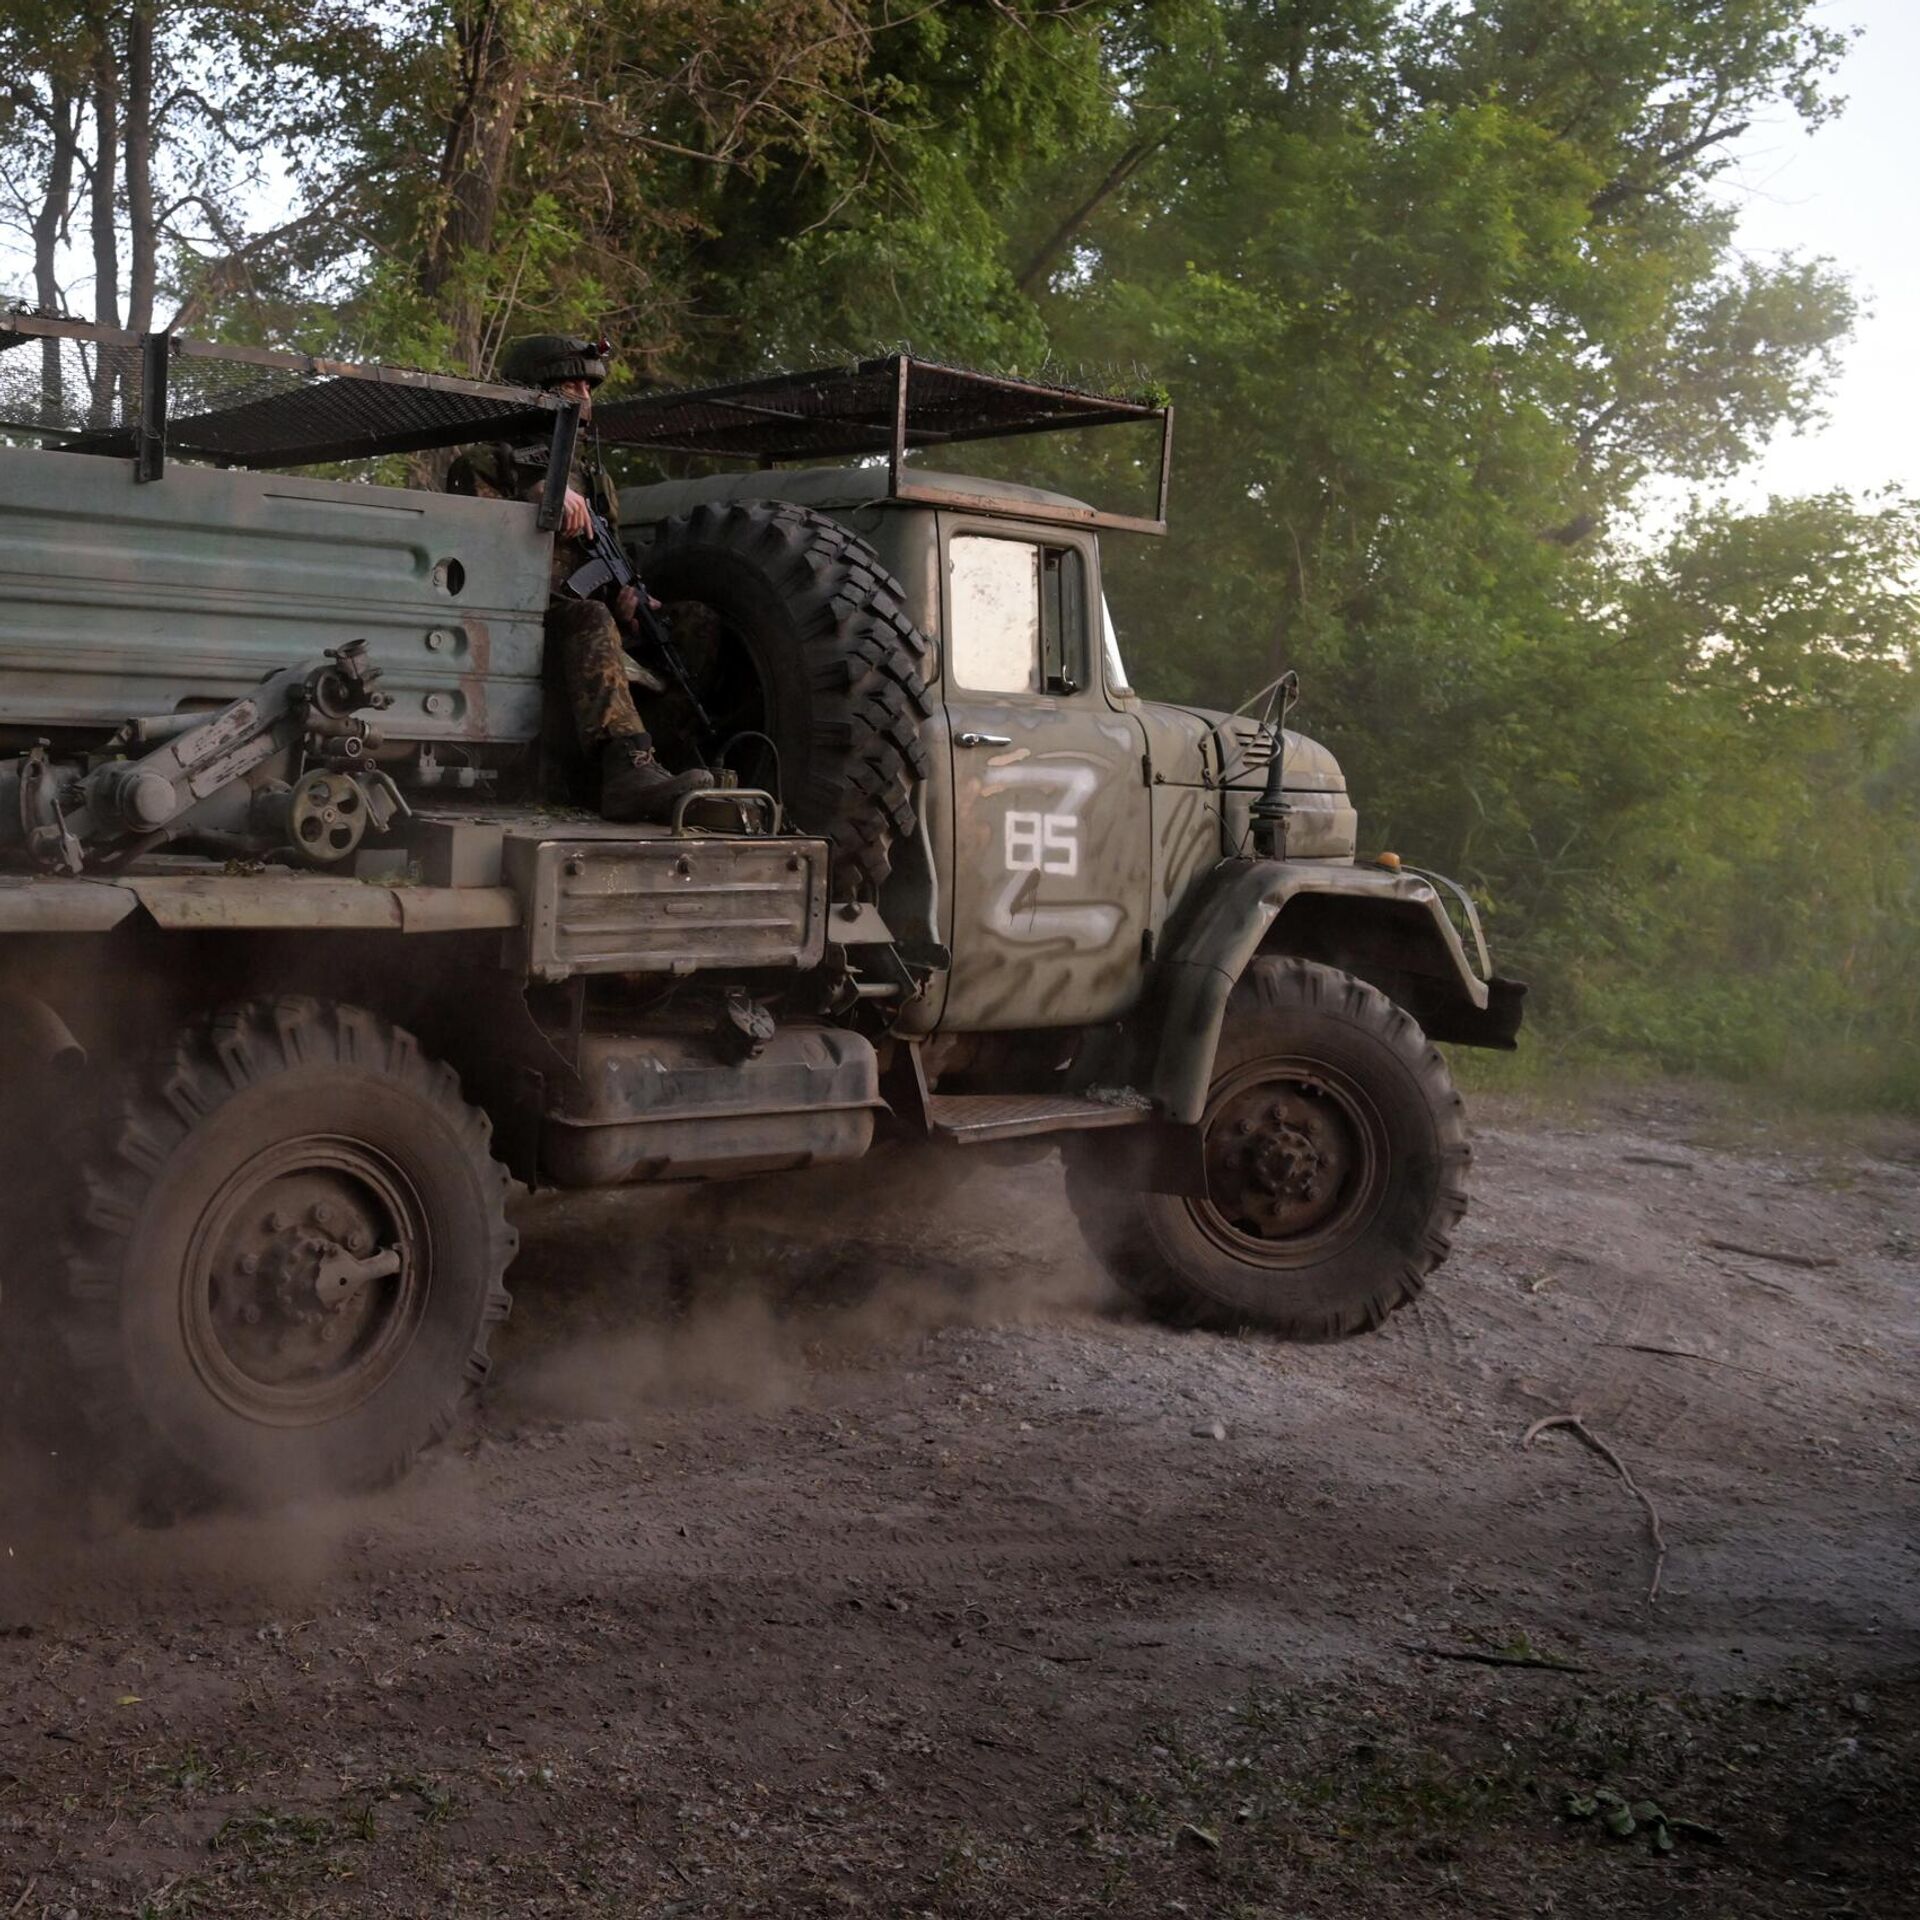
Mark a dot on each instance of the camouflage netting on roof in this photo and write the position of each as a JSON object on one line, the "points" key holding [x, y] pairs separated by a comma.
{"points": [[846, 410]]}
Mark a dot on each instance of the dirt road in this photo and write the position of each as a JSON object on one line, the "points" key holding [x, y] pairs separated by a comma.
{"points": [[888, 1571]]}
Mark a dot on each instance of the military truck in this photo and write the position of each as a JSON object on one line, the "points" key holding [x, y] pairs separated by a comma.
{"points": [[309, 951]]}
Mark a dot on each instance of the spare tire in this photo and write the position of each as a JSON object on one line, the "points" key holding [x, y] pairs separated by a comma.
{"points": [[794, 632]]}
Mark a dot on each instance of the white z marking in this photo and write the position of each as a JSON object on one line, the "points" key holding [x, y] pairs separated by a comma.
{"points": [[1046, 841]]}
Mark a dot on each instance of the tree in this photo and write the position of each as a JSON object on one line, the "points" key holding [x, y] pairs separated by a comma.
{"points": [[157, 120]]}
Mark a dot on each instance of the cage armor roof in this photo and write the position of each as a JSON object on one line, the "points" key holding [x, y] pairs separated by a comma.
{"points": [[545, 359]]}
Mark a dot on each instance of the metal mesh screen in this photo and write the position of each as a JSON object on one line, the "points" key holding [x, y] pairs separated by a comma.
{"points": [[271, 417], [68, 386], [81, 388], [842, 410]]}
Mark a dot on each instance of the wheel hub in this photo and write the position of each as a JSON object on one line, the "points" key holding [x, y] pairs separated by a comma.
{"points": [[307, 1277], [1294, 1159]]}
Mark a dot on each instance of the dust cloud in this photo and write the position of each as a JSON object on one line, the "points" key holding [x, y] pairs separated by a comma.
{"points": [[626, 1302], [745, 1292]]}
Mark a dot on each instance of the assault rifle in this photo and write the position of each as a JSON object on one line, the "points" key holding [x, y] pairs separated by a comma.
{"points": [[607, 566]]}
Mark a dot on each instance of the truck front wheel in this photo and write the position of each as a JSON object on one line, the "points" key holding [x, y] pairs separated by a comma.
{"points": [[291, 1244], [1336, 1156]]}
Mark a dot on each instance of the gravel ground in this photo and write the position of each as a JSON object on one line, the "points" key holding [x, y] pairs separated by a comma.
{"points": [[832, 1545]]}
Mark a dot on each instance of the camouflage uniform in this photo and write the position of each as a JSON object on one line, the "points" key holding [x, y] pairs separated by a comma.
{"points": [[583, 638], [584, 648]]}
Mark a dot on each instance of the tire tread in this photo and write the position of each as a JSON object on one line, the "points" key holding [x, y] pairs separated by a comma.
{"points": [[863, 658], [190, 1078], [1114, 1222]]}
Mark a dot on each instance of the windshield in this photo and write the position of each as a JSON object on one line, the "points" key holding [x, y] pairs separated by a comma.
{"points": [[1116, 673]]}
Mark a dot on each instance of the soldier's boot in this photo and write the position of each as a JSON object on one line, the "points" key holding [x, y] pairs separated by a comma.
{"points": [[635, 786]]}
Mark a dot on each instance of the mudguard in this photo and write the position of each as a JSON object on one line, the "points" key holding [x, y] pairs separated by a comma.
{"points": [[1369, 920]]}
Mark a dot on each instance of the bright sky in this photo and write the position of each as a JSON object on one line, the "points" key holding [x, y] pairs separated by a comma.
{"points": [[1847, 192]]}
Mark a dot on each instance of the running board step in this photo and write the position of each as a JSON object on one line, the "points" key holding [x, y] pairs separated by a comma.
{"points": [[970, 1119]]}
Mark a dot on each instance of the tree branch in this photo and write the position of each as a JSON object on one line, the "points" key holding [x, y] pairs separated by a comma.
{"points": [[1117, 176], [1665, 166], [229, 272]]}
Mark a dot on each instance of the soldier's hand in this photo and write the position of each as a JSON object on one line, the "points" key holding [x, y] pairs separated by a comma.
{"points": [[626, 606], [576, 517]]}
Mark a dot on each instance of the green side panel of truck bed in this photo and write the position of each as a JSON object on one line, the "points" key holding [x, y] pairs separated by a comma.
{"points": [[120, 599]]}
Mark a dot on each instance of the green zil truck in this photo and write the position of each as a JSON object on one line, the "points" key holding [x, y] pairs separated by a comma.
{"points": [[308, 952]]}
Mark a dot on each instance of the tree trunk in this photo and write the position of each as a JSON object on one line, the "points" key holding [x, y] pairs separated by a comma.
{"points": [[473, 171], [107, 361], [106, 175], [49, 223], [145, 240]]}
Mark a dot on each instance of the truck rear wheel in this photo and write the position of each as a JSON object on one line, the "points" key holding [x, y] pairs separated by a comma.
{"points": [[289, 1259], [793, 629], [1336, 1154]]}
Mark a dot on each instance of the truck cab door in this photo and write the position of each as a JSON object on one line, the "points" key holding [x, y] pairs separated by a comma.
{"points": [[1049, 832]]}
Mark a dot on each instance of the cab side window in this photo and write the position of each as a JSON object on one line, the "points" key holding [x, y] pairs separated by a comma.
{"points": [[1018, 616]]}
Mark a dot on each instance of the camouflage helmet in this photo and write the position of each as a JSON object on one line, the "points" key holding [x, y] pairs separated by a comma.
{"points": [[545, 359]]}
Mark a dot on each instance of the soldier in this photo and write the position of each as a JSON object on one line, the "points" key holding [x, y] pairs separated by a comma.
{"points": [[583, 635]]}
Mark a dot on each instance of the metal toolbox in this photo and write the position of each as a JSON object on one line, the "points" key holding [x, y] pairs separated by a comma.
{"points": [[667, 904]]}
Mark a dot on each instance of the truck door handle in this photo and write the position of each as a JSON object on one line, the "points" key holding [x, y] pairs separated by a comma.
{"points": [[983, 739]]}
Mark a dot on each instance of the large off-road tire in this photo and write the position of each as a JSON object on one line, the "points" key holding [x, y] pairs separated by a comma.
{"points": [[1336, 1154], [793, 627], [220, 1347]]}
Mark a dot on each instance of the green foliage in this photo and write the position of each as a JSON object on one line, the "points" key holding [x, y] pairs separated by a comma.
{"points": [[1437, 289], [1436, 286]]}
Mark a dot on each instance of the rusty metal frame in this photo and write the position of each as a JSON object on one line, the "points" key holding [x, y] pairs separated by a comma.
{"points": [[553, 494], [36, 326], [150, 447], [1049, 409], [18, 326], [1007, 409]]}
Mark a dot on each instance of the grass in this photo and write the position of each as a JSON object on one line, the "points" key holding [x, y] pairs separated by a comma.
{"points": [[1706, 1114], [267, 1830], [1558, 1065]]}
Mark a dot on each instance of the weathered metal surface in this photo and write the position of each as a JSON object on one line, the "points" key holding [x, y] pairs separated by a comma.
{"points": [[1187, 839], [1322, 824], [675, 1107], [30, 904], [1044, 808], [858, 495], [671, 905], [125, 600], [456, 910], [318, 902], [966, 1120], [858, 923], [1049, 868], [1242, 900]]}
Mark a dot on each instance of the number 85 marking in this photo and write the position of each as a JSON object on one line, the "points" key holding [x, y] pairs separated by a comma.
{"points": [[1043, 843]]}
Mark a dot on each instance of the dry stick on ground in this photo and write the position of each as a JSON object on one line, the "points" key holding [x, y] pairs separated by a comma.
{"points": [[1685, 1353], [1753, 1279], [1814, 1261], [1577, 1425], [1492, 1659]]}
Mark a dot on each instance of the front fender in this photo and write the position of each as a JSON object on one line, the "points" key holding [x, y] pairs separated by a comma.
{"points": [[1372, 922]]}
